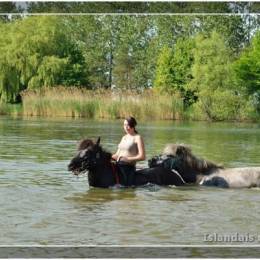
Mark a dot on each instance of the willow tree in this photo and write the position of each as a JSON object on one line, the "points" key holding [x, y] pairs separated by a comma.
{"points": [[38, 52], [9, 75]]}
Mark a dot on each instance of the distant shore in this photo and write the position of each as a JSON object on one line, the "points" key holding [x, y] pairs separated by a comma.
{"points": [[107, 104]]}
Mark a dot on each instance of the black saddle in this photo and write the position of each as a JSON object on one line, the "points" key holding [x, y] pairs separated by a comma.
{"points": [[166, 161]]}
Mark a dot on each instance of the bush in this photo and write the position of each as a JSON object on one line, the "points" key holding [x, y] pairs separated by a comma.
{"points": [[219, 106]]}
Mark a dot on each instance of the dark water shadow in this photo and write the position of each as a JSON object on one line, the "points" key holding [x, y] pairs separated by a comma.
{"points": [[99, 195]]}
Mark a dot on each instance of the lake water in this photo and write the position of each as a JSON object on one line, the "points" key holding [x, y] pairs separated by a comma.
{"points": [[43, 204]]}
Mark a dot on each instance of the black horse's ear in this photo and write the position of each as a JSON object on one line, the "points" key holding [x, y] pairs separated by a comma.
{"points": [[98, 141]]}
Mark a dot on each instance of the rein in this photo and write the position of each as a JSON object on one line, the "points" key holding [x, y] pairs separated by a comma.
{"points": [[178, 175], [115, 172], [172, 164]]}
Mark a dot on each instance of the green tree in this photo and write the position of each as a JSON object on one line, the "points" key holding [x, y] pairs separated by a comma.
{"points": [[213, 75], [170, 28], [181, 68], [134, 58], [232, 29], [37, 52], [98, 36], [247, 69], [103, 51], [212, 64], [164, 81], [174, 69]]}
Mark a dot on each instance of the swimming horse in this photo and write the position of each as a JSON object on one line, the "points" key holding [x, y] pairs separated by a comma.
{"points": [[195, 170], [104, 173]]}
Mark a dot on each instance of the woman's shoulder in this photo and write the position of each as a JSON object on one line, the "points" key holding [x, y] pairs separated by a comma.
{"points": [[138, 137]]}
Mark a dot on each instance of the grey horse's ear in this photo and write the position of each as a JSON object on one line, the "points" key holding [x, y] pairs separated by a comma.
{"points": [[183, 150], [98, 141]]}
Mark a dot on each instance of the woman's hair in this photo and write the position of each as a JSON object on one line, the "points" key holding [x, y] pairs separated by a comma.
{"points": [[132, 122]]}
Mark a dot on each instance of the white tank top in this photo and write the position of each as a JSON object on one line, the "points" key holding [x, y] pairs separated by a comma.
{"points": [[127, 146]]}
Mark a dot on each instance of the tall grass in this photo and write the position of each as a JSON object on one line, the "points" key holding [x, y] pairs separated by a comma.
{"points": [[75, 102], [11, 109], [148, 105]]}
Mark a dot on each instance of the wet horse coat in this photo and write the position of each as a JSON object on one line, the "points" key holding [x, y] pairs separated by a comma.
{"points": [[103, 173]]}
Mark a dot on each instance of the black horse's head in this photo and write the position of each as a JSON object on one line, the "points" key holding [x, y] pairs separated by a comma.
{"points": [[87, 157]]}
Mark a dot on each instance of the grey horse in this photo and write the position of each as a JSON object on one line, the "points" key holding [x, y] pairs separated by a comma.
{"points": [[199, 171]]}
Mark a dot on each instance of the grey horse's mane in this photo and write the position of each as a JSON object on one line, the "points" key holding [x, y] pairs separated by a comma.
{"points": [[184, 152]]}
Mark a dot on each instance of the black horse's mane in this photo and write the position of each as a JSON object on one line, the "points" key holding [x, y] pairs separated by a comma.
{"points": [[84, 144], [88, 143]]}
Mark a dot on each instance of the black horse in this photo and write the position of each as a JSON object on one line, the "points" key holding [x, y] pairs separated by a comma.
{"points": [[104, 173]]}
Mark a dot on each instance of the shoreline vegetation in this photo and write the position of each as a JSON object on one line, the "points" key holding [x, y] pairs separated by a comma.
{"points": [[183, 67], [107, 104]]}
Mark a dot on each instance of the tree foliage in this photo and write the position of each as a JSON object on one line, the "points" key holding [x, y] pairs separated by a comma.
{"points": [[188, 55], [33, 60], [212, 64], [133, 57], [247, 69], [174, 69], [164, 80], [232, 29], [212, 72]]}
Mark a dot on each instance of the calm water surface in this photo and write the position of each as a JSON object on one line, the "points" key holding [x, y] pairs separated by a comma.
{"points": [[43, 204]]}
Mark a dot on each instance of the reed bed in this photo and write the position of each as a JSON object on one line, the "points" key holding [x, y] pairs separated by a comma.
{"points": [[11, 109], [79, 102]]}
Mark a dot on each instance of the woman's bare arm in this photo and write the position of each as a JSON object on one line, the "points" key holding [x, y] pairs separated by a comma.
{"points": [[115, 155]]}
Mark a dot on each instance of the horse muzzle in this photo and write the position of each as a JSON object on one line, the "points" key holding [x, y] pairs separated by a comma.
{"points": [[71, 167], [77, 169]]}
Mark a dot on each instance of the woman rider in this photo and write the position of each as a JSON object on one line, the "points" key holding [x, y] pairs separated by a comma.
{"points": [[130, 150]]}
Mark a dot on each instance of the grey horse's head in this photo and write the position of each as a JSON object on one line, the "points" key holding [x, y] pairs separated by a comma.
{"points": [[188, 159], [180, 150]]}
